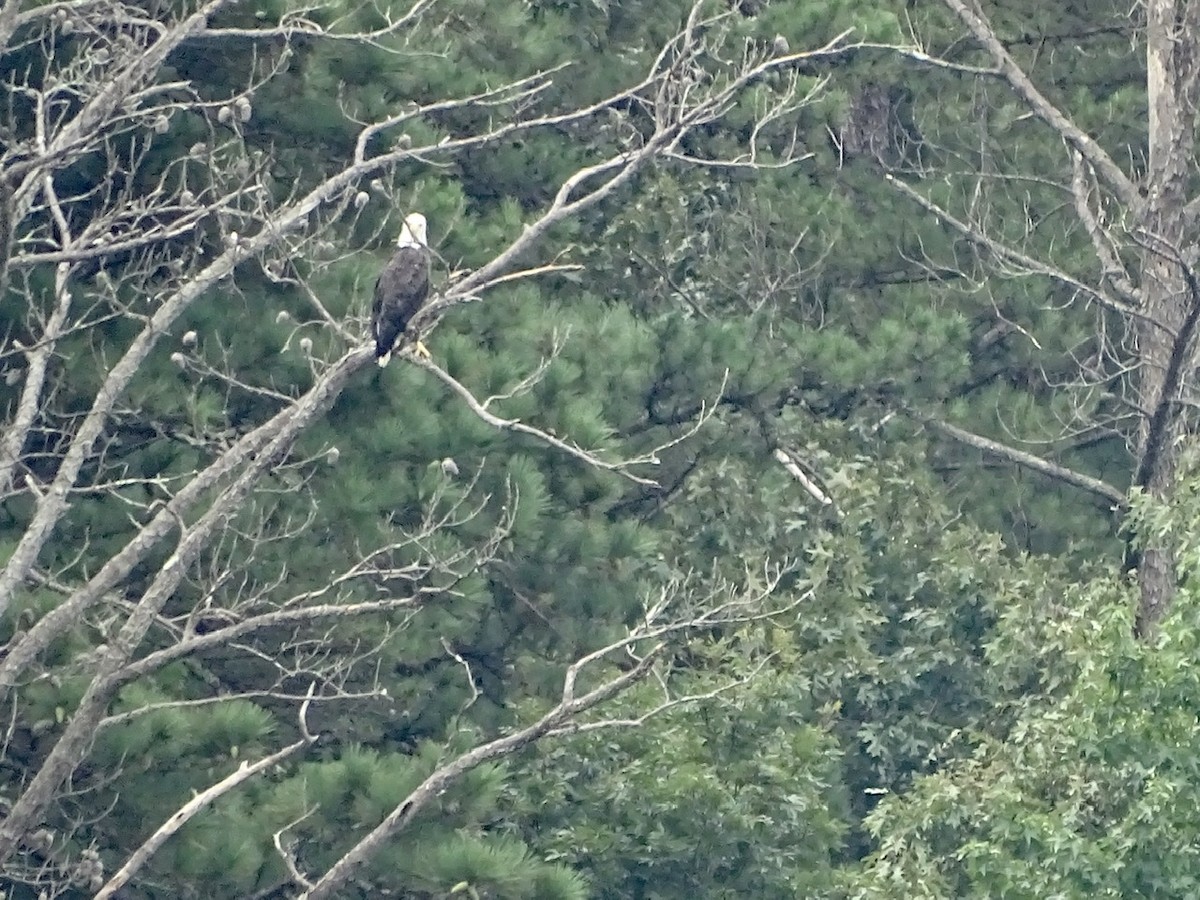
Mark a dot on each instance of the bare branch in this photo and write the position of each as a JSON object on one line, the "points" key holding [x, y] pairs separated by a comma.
{"points": [[518, 427], [295, 24], [1104, 246], [645, 644], [1116, 180], [1031, 461], [789, 462], [667, 705], [1027, 264], [202, 801], [445, 775], [73, 742]]}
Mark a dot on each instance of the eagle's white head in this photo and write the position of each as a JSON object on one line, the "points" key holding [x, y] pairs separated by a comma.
{"points": [[412, 233]]}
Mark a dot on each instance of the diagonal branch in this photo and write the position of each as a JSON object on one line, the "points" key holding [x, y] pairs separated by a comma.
{"points": [[1106, 252], [220, 637], [1029, 461], [202, 801], [72, 743], [1029, 264], [655, 629], [1112, 175], [446, 775], [516, 426]]}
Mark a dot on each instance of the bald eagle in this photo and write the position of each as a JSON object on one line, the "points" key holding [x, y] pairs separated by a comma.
{"points": [[401, 288]]}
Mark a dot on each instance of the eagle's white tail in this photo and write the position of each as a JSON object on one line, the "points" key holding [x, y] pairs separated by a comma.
{"points": [[384, 360]]}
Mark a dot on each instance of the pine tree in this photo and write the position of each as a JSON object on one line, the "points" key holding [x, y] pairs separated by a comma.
{"points": [[853, 323], [237, 470], [1035, 161]]}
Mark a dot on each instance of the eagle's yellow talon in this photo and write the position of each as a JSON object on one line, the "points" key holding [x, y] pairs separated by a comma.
{"points": [[400, 290], [422, 351]]}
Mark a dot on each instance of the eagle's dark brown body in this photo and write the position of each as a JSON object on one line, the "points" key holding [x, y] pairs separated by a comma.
{"points": [[400, 290]]}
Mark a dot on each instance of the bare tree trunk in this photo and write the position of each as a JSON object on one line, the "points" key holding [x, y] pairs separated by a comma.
{"points": [[1140, 228], [1166, 336]]}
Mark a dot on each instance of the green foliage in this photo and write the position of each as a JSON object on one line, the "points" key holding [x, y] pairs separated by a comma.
{"points": [[1088, 785], [725, 798], [960, 645], [1090, 790]]}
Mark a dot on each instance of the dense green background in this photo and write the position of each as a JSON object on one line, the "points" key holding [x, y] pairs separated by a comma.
{"points": [[955, 707]]}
